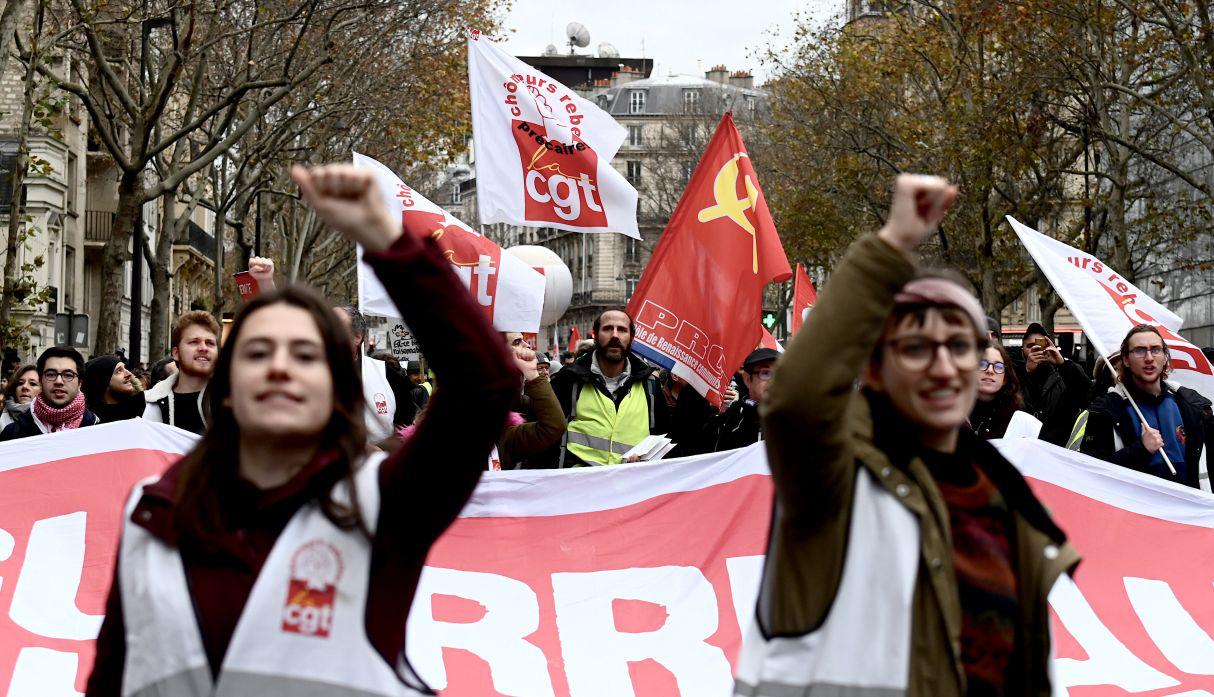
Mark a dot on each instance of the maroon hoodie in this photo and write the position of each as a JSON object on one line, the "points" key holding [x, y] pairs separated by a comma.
{"points": [[423, 486]]}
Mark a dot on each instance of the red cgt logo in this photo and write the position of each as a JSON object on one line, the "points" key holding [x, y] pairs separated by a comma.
{"points": [[316, 568]]}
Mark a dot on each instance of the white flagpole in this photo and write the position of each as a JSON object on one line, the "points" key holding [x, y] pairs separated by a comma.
{"points": [[1162, 451]]}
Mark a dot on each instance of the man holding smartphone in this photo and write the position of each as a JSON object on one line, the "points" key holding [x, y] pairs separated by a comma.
{"points": [[1056, 389]]}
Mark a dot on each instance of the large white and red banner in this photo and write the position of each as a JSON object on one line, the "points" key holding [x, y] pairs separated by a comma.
{"points": [[721, 242], [543, 153], [61, 498], [625, 580], [1108, 306], [510, 292]]}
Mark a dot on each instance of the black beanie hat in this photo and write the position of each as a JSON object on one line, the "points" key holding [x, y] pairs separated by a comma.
{"points": [[96, 378]]}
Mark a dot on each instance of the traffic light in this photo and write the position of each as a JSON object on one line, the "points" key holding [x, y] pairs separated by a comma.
{"points": [[769, 320]]}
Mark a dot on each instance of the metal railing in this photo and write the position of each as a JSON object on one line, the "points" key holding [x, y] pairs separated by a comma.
{"points": [[98, 225]]}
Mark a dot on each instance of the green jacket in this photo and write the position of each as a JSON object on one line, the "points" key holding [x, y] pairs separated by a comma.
{"points": [[517, 443], [820, 430]]}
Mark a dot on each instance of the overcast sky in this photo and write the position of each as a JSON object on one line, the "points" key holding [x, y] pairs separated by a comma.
{"points": [[681, 36]]}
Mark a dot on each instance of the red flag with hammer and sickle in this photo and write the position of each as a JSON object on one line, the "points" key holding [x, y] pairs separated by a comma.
{"points": [[699, 303]]}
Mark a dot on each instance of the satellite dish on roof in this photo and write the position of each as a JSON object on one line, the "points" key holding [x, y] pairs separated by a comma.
{"points": [[578, 34], [606, 50], [550, 50]]}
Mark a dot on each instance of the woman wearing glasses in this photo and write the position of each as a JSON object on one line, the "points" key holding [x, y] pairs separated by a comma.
{"points": [[997, 413], [906, 555], [60, 404]]}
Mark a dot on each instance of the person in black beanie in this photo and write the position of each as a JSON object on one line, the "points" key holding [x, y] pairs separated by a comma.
{"points": [[1056, 389], [110, 389]]}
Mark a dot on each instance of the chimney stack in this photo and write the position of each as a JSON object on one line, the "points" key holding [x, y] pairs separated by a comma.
{"points": [[718, 73], [742, 78]]}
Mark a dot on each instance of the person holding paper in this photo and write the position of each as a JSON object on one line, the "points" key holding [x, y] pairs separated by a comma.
{"points": [[1175, 419], [609, 397], [906, 556]]}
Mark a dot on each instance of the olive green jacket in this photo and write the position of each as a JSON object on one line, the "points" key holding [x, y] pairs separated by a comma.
{"points": [[820, 430]]}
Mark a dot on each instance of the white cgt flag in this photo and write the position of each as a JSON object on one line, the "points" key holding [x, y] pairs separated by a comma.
{"points": [[1108, 306], [510, 292], [543, 154]]}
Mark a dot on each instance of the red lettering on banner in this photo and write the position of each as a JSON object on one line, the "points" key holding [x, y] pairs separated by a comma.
{"points": [[671, 615], [56, 562], [1183, 355]]}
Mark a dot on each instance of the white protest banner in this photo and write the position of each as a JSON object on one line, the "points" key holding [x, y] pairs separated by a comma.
{"points": [[1108, 306], [625, 580], [543, 153], [509, 291]]}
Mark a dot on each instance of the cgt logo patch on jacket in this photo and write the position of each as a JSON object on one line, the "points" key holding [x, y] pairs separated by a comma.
{"points": [[316, 567], [1180, 434], [381, 403]]}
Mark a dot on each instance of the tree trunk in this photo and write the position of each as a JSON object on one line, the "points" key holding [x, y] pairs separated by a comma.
{"points": [[16, 214], [113, 264], [162, 290], [1048, 301]]}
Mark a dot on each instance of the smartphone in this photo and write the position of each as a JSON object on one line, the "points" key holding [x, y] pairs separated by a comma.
{"points": [[1041, 342]]}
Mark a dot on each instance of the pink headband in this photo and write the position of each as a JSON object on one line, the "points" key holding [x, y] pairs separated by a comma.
{"points": [[941, 291]]}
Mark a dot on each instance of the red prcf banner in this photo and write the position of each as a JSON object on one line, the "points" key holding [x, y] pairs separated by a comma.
{"points": [[721, 243]]}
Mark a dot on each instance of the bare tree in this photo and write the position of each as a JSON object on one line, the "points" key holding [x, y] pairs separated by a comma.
{"points": [[152, 86]]}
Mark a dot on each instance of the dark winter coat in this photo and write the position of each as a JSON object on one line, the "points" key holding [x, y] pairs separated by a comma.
{"points": [[1110, 414], [23, 426]]}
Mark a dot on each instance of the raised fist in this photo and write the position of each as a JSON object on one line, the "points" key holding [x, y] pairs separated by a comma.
{"points": [[262, 271], [919, 204], [348, 199], [527, 362]]}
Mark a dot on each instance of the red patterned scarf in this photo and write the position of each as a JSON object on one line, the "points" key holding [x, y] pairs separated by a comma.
{"points": [[62, 418]]}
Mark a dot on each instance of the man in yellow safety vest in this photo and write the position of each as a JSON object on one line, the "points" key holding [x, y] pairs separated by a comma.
{"points": [[607, 396]]}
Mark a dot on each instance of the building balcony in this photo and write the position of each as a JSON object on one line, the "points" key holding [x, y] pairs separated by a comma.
{"points": [[97, 227], [198, 239]]}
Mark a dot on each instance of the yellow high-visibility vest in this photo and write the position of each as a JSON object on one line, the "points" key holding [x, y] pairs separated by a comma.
{"points": [[599, 432]]}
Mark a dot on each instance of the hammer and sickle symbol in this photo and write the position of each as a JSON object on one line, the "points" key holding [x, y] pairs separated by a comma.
{"points": [[728, 205]]}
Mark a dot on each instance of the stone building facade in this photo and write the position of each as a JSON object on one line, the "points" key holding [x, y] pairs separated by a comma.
{"points": [[54, 201]]}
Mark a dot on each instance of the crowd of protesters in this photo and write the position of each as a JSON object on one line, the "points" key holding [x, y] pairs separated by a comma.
{"points": [[890, 391], [592, 406]]}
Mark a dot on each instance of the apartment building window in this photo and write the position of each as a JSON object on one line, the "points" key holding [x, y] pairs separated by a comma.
{"points": [[634, 136], [8, 164], [455, 193], [69, 277], [633, 172], [691, 101], [689, 168], [636, 102], [631, 250], [71, 183], [751, 105]]}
